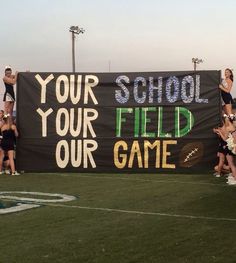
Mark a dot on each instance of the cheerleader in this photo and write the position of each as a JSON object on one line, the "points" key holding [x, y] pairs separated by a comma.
{"points": [[9, 134], [226, 87], [9, 95], [227, 148]]}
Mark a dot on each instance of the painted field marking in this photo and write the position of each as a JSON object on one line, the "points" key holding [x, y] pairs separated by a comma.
{"points": [[35, 203], [63, 197], [17, 208], [26, 203], [143, 212]]}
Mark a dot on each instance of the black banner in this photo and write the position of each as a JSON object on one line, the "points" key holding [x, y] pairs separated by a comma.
{"points": [[117, 122]]}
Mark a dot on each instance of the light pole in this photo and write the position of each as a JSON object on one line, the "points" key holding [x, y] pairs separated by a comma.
{"points": [[75, 30], [196, 61]]}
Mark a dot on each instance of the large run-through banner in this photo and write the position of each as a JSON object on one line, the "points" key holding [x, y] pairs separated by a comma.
{"points": [[152, 122]]}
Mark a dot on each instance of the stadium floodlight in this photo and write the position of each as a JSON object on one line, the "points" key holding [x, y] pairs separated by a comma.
{"points": [[196, 61], [75, 30]]}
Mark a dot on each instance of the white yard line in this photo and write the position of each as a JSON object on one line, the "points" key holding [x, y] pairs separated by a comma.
{"points": [[26, 206], [142, 212]]}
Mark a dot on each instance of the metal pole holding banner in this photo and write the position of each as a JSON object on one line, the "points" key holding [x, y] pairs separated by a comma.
{"points": [[73, 51], [196, 61], [74, 30]]}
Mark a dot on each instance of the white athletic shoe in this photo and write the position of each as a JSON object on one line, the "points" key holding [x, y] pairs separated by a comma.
{"points": [[7, 172], [217, 175], [15, 173], [231, 180]]}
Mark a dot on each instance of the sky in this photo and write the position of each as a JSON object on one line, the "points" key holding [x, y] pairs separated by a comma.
{"points": [[128, 35]]}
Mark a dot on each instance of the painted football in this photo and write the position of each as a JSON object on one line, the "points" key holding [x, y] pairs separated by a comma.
{"points": [[191, 154]]}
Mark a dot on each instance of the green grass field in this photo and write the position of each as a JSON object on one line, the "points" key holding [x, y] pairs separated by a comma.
{"points": [[121, 218]]}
